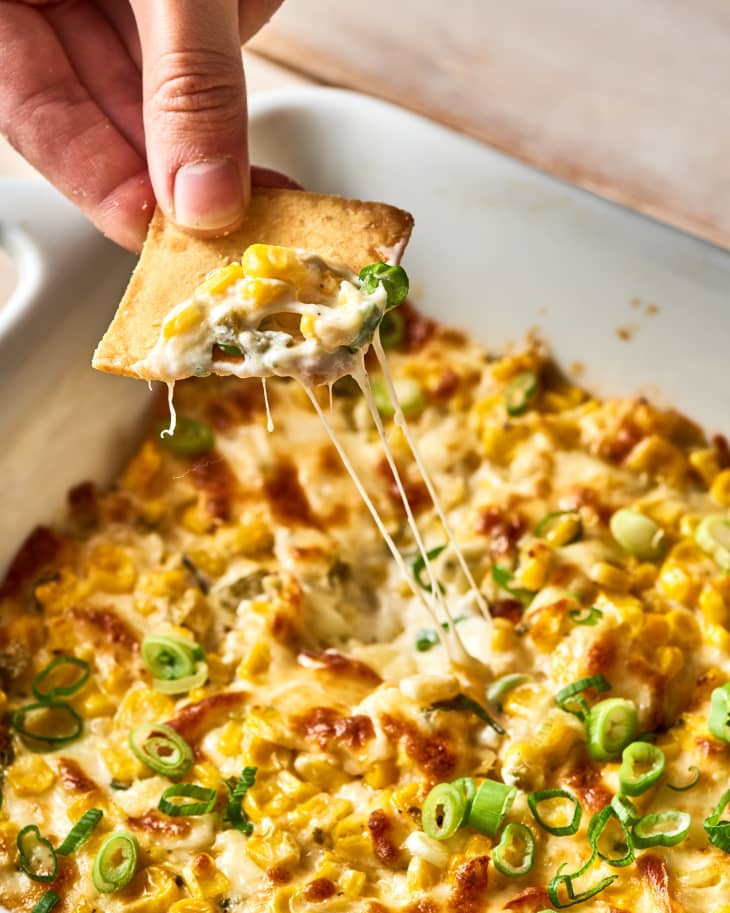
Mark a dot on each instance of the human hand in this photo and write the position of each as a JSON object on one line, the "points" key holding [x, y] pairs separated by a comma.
{"points": [[123, 102]]}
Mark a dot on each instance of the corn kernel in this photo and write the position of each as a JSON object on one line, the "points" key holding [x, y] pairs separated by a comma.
{"points": [[352, 882], [207, 774], [156, 891], [421, 875], [610, 576], [713, 605], [659, 458], [478, 845], [720, 488], [256, 662], [522, 766], [717, 637], [275, 848], [381, 774], [251, 536], [164, 583], [142, 705], [219, 280], [97, 704], [27, 632], [534, 566], [521, 701], [685, 629], [501, 440], [281, 902], [306, 326], [511, 365], [563, 530], [504, 637], [195, 519], [30, 776], [675, 583], [655, 629], [209, 560], [191, 906], [182, 320], [557, 734], [142, 471], [705, 464], [320, 771], [229, 740], [111, 569], [670, 661], [688, 524], [203, 879]]}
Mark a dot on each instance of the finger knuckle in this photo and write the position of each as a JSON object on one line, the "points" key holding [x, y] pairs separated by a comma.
{"points": [[206, 85]]}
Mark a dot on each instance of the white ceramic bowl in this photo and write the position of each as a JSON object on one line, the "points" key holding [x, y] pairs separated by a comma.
{"points": [[498, 249]]}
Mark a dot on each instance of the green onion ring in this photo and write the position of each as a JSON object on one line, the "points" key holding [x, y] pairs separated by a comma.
{"points": [[503, 578], [502, 686], [719, 721], [636, 755], [185, 684], [426, 638], [394, 280], [32, 848], [205, 795], [596, 827], [469, 788], [589, 615], [116, 862], [638, 535], [544, 795], [625, 810], [464, 702], [392, 330], [546, 524], [419, 566], [444, 811], [718, 829], [557, 880], [52, 694], [18, 722], [490, 806], [520, 392], [648, 831], [234, 815], [570, 699], [80, 832], [161, 748], [515, 837], [693, 782], [190, 438], [169, 658], [46, 903], [612, 724]]}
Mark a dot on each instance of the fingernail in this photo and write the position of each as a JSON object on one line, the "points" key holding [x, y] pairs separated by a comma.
{"points": [[208, 195]]}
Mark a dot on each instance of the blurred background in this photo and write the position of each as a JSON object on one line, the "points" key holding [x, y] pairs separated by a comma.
{"points": [[629, 99]]}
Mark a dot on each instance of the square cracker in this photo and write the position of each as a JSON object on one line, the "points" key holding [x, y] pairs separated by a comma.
{"points": [[173, 264]]}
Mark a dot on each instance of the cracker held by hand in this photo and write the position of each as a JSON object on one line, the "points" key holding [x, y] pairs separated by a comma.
{"points": [[173, 263]]}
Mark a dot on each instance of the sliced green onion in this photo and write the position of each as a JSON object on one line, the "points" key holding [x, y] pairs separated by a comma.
{"points": [[662, 829], [717, 828], [469, 788], [170, 657], [638, 535], [550, 795], [558, 880], [570, 697], [596, 827], [713, 537], [392, 330], [426, 638], [589, 615], [642, 764], [80, 832], [227, 349], [55, 717], [552, 520], [37, 856], [502, 686], [464, 702], [719, 721], [444, 811], [58, 670], [235, 816], [205, 796], [419, 567], [408, 392], [190, 438], [185, 684], [612, 724], [693, 782], [394, 280], [625, 810], [514, 855], [46, 903], [519, 392], [115, 863], [161, 748], [490, 806], [503, 578]]}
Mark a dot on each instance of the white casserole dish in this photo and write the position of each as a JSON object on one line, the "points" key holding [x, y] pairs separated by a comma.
{"points": [[498, 249]]}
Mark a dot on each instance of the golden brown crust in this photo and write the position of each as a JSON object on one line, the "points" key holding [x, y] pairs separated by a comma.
{"points": [[172, 263]]}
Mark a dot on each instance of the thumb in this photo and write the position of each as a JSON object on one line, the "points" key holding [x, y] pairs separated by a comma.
{"points": [[195, 111]]}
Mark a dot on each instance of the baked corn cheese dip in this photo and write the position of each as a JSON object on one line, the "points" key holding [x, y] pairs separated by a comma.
{"points": [[221, 694]]}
